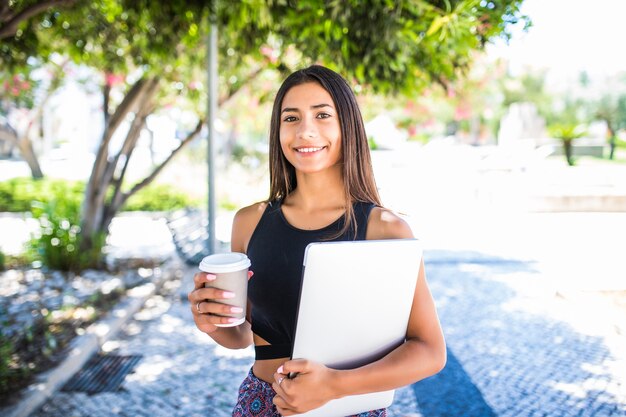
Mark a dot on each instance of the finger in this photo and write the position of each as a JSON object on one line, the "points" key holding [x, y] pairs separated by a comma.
{"points": [[201, 278], [210, 293], [250, 273], [212, 320], [296, 366], [282, 406], [211, 307], [285, 412], [280, 381]]}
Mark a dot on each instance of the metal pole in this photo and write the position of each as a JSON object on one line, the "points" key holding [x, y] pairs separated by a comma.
{"points": [[211, 115]]}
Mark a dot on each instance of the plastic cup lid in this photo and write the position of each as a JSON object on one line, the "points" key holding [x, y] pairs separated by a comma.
{"points": [[224, 262]]}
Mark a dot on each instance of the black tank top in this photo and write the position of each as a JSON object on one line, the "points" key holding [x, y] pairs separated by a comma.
{"points": [[276, 250]]}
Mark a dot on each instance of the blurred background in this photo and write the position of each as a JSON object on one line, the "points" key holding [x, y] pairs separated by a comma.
{"points": [[497, 128]]}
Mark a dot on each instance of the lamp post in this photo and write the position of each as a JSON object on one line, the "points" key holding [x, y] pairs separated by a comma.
{"points": [[211, 115]]}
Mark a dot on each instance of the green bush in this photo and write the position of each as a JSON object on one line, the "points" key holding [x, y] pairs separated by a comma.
{"points": [[9, 372], [57, 241], [57, 203], [159, 197], [2, 261], [18, 195]]}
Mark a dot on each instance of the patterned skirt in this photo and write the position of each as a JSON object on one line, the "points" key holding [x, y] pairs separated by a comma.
{"points": [[255, 400]]}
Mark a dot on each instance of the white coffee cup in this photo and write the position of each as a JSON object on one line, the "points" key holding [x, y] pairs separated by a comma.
{"points": [[231, 271]]}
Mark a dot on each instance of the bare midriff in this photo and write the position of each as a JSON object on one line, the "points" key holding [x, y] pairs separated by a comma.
{"points": [[265, 369]]}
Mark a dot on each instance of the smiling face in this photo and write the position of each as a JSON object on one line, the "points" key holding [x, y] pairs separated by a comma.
{"points": [[310, 133]]}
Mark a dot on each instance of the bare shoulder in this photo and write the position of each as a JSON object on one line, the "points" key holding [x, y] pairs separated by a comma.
{"points": [[244, 223], [385, 224]]}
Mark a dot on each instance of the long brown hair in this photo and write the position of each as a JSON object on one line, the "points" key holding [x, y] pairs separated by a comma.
{"points": [[357, 172]]}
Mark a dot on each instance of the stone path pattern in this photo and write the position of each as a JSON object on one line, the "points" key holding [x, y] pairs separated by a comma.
{"points": [[523, 349]]}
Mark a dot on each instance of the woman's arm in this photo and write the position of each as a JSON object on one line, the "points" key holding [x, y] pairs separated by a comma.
{"points": [[423, 354], [238, 337]]}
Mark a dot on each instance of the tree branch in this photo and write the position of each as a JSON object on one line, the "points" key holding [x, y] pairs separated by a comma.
{"points": [[158, 169], [145, 106], [101, 165], [248, 79], [9, 27], [8, 134], [4, 10], [128, 147], [54, 85]]}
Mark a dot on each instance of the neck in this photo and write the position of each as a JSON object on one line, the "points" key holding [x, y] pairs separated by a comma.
{"points": [[319, 190]]}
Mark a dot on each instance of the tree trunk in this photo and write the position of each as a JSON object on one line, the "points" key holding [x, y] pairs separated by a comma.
{"points": [[93, 208], [612, 147], [568, 150], [28, 153], [25, 147]]}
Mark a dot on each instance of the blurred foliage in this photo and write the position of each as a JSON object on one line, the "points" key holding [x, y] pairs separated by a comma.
{"points": [[611, 108], [390, 46], [567, 133], [20, 260], [10, 373], [56, 243], [56, 204], [2, 260], [19, 194], [18, 90], [159, 197]]}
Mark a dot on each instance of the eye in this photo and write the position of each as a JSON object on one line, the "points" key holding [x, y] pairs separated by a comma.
{"points": [[323, 116], [290, 119]]}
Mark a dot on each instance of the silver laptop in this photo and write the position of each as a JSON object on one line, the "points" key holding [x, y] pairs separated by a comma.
{"points": [[354, 308]]}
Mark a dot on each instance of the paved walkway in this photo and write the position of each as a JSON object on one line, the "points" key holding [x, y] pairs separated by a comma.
{"points": [[516, 349]]}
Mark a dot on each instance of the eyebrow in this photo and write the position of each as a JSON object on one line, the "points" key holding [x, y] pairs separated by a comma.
{"points": [[315, 106]]}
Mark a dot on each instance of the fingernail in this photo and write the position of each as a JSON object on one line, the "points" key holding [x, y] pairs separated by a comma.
{"points": [[236, 310], [210, 277], [233, 319], [280, 369], [228, 294]]}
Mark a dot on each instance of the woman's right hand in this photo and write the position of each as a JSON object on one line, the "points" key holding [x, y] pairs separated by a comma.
{"points": [[206, 305]]}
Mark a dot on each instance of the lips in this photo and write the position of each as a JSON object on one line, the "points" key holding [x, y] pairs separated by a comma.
{"points": [[309, 149]]}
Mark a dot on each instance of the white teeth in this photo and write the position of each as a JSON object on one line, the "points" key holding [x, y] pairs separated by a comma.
{"points": [[307, 150]]}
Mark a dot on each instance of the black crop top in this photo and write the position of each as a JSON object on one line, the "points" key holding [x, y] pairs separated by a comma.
{"points": [[276, 250]]}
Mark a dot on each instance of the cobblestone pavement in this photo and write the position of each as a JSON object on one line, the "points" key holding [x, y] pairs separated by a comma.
{"points": [[516, 349]]}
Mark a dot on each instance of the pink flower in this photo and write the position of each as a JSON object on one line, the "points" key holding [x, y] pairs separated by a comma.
{"points": [[270, 53], [113, 79], [428, 123], [462, 112]]}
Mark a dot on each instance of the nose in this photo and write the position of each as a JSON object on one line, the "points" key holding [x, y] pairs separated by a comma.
{"points": [[307, 129]]}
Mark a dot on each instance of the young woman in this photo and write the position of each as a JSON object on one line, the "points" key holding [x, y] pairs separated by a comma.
{"points": [[322, 188]]}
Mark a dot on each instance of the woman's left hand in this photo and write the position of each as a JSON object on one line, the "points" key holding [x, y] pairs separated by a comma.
{"points": [[311, 388]]}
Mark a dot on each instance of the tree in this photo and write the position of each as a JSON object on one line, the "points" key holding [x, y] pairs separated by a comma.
{"points": [[612, 110], [21, 109], [567, 124], [156, 50], [567, 133], [14, 13]]}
